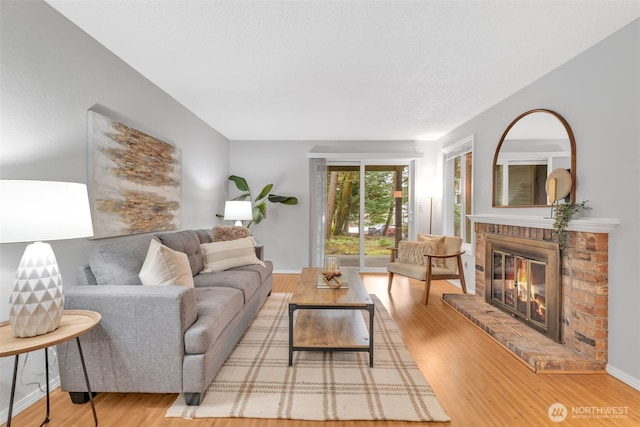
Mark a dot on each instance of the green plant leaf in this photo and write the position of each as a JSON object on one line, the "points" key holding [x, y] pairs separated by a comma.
{"points": [[285, 200], [563, 214], [259, 212], [240, 182], [264, 192], [259, 204]]}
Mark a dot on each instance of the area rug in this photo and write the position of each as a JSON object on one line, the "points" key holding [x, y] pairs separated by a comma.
{"points": [[256, 381]]}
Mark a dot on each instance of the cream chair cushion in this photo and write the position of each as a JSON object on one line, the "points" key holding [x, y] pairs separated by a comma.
{"points": [[452, 245], [439, 242], [414, 271]]}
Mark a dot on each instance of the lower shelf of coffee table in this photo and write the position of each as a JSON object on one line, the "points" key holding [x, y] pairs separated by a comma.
{"points": [[330, 329]]}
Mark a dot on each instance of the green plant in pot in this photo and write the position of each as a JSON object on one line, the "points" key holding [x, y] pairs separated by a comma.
{"points": [[259, 204], [563, 214]]}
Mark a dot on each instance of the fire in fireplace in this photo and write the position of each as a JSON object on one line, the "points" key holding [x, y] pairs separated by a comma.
{"points": [[523, 278]]}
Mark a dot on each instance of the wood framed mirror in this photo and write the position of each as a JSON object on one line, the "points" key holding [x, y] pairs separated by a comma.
{"points": [[531, 147]]}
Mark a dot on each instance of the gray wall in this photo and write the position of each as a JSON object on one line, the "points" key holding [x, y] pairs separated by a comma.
{"points": [[52, 73], [598, 93]]}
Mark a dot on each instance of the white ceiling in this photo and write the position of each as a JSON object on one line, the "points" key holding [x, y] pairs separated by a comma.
{"points": [[344, 70]]}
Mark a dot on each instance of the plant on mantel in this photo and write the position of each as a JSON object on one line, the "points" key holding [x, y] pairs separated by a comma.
{"points": [[563, 214]]}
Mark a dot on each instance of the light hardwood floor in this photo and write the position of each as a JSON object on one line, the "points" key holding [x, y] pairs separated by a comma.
{"points": [[477, 381]]}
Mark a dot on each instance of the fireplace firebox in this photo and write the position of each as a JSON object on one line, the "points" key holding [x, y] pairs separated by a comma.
{"points": [[523, 278]]}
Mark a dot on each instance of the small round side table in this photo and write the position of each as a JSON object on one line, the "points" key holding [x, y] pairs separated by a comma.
{"points": [[73, 324]]}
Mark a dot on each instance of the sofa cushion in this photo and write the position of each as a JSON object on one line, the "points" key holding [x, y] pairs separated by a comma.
{"points": [[204, 235], [246, 281], [187, 242], [164, 267], [216, 308], [264, 272], [220, 256], [119, 263]]}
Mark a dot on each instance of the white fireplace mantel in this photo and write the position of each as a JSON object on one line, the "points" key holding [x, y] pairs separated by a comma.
{"points": [[593, 225]]}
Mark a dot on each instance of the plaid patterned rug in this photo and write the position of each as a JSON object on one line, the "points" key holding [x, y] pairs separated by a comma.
{"points": [[256, 381]]}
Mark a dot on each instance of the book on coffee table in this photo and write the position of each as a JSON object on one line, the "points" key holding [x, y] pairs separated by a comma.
{"points": [[344, 283]]}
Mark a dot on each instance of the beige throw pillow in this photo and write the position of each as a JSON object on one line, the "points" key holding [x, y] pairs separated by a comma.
{"points": [[164, 266], [440, 246], [219, 256], [413, 252]]}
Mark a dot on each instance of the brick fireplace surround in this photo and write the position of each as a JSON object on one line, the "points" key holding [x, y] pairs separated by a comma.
{"points": [[584, 272]]}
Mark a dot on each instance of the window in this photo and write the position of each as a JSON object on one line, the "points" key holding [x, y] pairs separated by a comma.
{"points": [[458, 169]]}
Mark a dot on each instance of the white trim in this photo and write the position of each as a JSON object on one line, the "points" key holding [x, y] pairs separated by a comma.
{"points": [[595, 225], [392, 156], [28, 400], [623, 376], [451, 152], [463, 146]]}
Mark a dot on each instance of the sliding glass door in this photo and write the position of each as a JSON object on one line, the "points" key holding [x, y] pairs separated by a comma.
{"points": [[367, 211]]}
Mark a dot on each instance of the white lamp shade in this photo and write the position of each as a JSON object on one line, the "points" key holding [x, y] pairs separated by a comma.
{"points": [[43, 210], [238, 210], [432, 189]]}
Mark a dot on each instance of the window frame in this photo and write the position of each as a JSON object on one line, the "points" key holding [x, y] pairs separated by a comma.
{"points": [[459, 149]]}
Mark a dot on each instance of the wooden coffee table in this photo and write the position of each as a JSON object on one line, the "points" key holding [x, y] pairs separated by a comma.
{"points": [[328, 319]]}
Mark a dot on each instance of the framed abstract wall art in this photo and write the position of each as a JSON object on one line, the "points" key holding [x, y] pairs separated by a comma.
{"points": [[135, 180]]}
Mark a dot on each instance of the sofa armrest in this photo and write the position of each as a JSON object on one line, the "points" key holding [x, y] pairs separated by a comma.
{"points": [[138, 346], [259, 248]]}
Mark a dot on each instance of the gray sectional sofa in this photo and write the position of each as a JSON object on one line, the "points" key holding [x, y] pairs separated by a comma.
{"points": [[158, 339]]}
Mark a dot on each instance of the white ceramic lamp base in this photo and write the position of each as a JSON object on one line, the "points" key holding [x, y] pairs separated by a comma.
{"points": [[36, 300]]}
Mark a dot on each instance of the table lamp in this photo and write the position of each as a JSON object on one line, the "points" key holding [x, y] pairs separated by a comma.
{"points": [[238, 210], [34, 211]]}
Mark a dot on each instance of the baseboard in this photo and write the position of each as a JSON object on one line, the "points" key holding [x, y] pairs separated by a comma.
{"points": [[28, 400], [624, 377]]}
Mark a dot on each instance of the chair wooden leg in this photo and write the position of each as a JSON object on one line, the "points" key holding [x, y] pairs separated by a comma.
{"points": [[461, 273], [390, 282], [427, 282], [427, 289]]}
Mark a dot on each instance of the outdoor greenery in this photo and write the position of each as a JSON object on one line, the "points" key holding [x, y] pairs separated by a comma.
{"points": [[343, 199], [343, 210], [347, 245]]}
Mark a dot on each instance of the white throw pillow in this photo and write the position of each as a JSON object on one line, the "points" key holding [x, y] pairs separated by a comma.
{"points": [[223, 255], [164, 266]]}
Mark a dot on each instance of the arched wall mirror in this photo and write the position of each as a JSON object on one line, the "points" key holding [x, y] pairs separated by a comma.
{"points": [[532, 146]]}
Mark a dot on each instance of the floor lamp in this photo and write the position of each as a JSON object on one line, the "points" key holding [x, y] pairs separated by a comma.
{"points": [[430, 213], [431, 193]]}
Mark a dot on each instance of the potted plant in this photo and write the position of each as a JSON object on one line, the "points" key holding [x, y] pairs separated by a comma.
{"points": [[259, 204], [563, 214]]}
